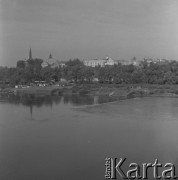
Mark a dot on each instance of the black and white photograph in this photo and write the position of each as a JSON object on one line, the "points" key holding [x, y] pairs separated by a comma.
{"points": [[88, 89]]}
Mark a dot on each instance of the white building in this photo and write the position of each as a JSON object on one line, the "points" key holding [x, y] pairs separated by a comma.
{"points": [[100, 62], [110, 61], [94, 62]]}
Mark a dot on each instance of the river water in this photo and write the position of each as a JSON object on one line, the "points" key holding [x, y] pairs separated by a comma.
{"points": [[69, 137]]}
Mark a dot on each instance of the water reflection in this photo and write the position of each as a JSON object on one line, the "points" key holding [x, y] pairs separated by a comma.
{"points": [[32, 100]]}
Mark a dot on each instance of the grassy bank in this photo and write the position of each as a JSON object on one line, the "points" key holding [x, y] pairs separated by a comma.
{"points": [[113, 90], [127, 90]]}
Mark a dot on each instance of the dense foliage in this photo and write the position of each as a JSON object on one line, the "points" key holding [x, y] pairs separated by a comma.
{"points": [[76, 71]]}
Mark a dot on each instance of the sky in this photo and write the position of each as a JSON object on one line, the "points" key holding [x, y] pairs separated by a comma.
{"points": [[88, 29]]}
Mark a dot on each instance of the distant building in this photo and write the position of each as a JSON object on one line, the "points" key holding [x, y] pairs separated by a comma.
{"points": [[62, 64], [94, 62], [165, 60], [129, 62], [110, 61], [100, 62], [51, 62], [151, 60], [44, 64], [29, 58]]}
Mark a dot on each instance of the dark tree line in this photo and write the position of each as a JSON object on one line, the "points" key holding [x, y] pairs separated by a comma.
{"points": [[29, 71]]}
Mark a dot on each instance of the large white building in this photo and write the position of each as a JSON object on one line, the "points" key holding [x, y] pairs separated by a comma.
{"points": [[100, 62]]}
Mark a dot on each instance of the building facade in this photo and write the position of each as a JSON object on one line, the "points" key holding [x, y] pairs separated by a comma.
{"points": [[100, 62]]}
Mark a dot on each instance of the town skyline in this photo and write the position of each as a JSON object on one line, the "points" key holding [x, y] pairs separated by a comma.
{"points": [[88, 29], [50, 56]]}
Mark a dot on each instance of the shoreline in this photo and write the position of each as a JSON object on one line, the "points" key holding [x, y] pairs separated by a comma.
{"points": [[120, 92]]}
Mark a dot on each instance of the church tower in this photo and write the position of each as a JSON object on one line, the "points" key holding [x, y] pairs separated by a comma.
{"points": [[50, 56], [30, 54]]}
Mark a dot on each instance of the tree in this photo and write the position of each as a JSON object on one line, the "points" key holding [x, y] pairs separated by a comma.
{"points": [[88, 73], [47, 74], [73, 70], [21, 64], [134, 58]]}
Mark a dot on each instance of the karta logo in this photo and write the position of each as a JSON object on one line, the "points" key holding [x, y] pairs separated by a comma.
{"points": [[114, 169]]}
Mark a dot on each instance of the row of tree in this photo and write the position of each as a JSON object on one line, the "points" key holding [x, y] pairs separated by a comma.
{"points": [[75, 70]]}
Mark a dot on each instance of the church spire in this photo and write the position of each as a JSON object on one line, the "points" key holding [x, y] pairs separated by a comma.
{"points": [[30, 54], [50, 56]]}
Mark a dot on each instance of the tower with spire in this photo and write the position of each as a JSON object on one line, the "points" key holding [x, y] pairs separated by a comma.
{"points": [[50, 56], [30, 54]]}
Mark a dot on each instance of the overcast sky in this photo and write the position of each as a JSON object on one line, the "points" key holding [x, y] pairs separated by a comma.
{"points": [[88, 29]]}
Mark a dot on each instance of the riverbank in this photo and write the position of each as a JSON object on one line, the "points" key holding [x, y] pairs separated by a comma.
{"points": [[49, 90], [118, 91], [127, 90]]}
